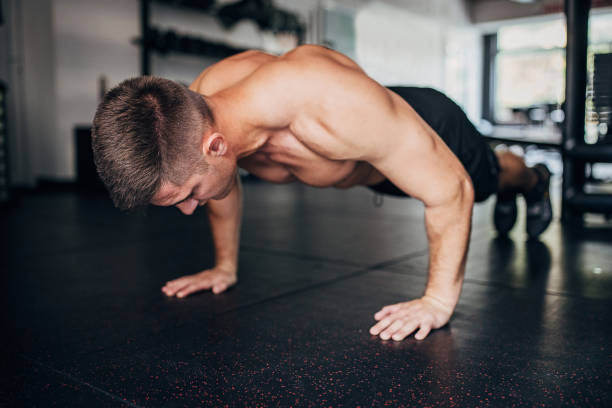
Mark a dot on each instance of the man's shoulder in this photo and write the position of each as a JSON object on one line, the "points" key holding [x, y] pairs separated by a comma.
{"points": [[315, 58], [229, 71], [301, 67], [295, 64]]}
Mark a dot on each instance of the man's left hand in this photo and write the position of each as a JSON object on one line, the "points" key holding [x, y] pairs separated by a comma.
{"points": [[401, 319]]}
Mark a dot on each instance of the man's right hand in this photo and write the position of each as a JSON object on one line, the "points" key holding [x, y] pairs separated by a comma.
{"points": [[218, 279]]}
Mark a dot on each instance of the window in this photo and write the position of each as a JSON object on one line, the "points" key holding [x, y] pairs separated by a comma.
{"points": [[599, 88], [525, 70], [528, 72]]}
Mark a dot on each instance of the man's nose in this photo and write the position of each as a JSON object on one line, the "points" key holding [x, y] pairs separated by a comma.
{"points": [[187, 207]]}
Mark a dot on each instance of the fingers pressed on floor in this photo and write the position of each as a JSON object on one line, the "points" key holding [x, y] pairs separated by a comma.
{"points": [[171, 291], [391, 308], [176, 282], [380, 326], [389, 331], [405, 331], [219, 288], [186, 290], [423, 332], [381, 314]]}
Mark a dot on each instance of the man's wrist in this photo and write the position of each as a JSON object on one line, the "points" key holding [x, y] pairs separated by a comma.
{"points": [[440, 303], [447, 298], [228, 264]]}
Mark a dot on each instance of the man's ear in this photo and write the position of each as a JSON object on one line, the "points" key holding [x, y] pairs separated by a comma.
{"points": [[214, 145]]}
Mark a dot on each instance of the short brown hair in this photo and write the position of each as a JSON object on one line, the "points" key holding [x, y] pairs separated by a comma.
{"points": [[146, 132]]}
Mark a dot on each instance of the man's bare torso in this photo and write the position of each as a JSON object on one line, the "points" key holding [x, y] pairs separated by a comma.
{"points": [[283, 158]]}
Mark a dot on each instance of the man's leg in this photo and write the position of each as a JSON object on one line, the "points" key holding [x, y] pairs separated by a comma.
{"points": [[514, 176], [533, 183]]}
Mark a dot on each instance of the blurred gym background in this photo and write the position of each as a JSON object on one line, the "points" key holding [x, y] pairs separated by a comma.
{"points": [[503, 61]]}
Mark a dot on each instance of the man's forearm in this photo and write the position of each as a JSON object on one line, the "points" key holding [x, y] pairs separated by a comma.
{"points": [[225, 219], [448, 231]]}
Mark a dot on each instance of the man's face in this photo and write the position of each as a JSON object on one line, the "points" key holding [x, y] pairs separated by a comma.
{"points": [[215, 184]]}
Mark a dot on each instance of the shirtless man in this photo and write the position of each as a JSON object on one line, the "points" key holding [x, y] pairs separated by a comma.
{"points": [[311, 115]]}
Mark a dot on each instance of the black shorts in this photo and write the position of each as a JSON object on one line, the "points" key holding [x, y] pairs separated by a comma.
{"points": [[450, 122]]}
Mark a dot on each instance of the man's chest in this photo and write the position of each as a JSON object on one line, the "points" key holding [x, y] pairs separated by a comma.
{"points": [[284, 158]]}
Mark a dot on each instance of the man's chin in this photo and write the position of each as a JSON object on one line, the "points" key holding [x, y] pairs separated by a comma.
{"points": [[224, 194]]}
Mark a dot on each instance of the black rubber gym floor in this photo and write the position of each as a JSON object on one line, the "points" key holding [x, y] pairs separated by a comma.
{"points": [[87, 325]]}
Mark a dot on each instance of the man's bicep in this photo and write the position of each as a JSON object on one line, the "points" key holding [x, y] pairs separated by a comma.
{"points": [[423, 167]]}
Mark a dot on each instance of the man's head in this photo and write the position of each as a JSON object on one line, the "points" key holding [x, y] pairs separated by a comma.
{"points": [[150, 133]]}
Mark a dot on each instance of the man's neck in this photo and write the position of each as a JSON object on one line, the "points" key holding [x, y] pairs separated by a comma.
{"points": [[240, 135]]}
